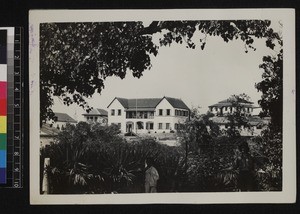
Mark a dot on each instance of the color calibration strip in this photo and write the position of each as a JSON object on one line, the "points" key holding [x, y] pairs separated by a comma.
{"points": [[3, 106], [11, 105]]}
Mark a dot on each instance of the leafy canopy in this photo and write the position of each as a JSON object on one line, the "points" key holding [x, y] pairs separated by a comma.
{"points": [[271, 87], [76, 58]]}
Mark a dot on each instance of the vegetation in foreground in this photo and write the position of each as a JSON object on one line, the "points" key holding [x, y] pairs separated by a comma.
{"points": [[94, 159]]}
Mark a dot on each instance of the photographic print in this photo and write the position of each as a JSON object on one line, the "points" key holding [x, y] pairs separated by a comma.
{"points": [[162, 106]]}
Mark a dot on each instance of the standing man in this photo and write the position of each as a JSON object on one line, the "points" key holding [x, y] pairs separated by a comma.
{"points": [[151, 176]]}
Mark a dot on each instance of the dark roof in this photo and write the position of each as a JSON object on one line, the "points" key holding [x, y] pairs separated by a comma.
{"points": [[97, 111], [143, 103], [63, 117], [48, 130], [177, 103], [138, 103], [229, 102], [102, 112], [149, 103]]}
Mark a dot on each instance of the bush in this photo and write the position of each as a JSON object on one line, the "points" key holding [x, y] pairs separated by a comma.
{"points": [[92, 159], [269, 157]]}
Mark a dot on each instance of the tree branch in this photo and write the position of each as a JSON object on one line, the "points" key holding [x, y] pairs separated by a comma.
{"points": [[154, 27]]}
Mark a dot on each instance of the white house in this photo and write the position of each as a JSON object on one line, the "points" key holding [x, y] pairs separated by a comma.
{"points": [[225, 107], [147, 115], [96, 115], [50, 130], [229, 106], [47, 134], [61, 120]]}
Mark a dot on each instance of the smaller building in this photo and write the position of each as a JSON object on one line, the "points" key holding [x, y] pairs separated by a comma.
{"points": [[229, 106], [96, 115], [48, 134], [61, 120], [246, 108]]}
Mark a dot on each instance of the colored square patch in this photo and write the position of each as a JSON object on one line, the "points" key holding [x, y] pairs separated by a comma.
{"points": [[2, 124], [2, 175], [3, 73], [3, 90], [3, 143], [3, 107], [3, 46], [2, 158]]}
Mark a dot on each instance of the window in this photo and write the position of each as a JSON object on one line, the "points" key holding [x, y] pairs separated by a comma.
{"points": [[160, 126], [119, 125], [95, 119], [149, 126], [145, 114], [176, 126], [167, 125], [112, 112], [119, 112], [140, 125], [151, 115], [160, 112], [168, 111]]}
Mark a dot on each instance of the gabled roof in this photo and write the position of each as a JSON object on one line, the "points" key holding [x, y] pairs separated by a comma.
{"points": [[149, 103], [177, 103], [229, 102], [97, 111], [137, 103], [143, 103], [63, 117], [102, 112], [47, 130]]}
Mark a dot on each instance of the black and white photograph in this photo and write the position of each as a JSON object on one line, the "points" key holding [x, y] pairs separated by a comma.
{"points": [[162, 106]]}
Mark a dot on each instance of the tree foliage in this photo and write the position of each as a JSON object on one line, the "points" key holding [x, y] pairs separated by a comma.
{"points": [[198, 131], [271, 87], [271, 102], [76, 58], [238, 120], [90, 158]]}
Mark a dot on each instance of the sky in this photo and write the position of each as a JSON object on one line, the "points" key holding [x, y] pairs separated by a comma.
{"points": [[199, 77]]}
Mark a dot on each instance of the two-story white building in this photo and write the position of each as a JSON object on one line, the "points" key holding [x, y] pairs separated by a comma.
{"points": [[148, 115]]}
